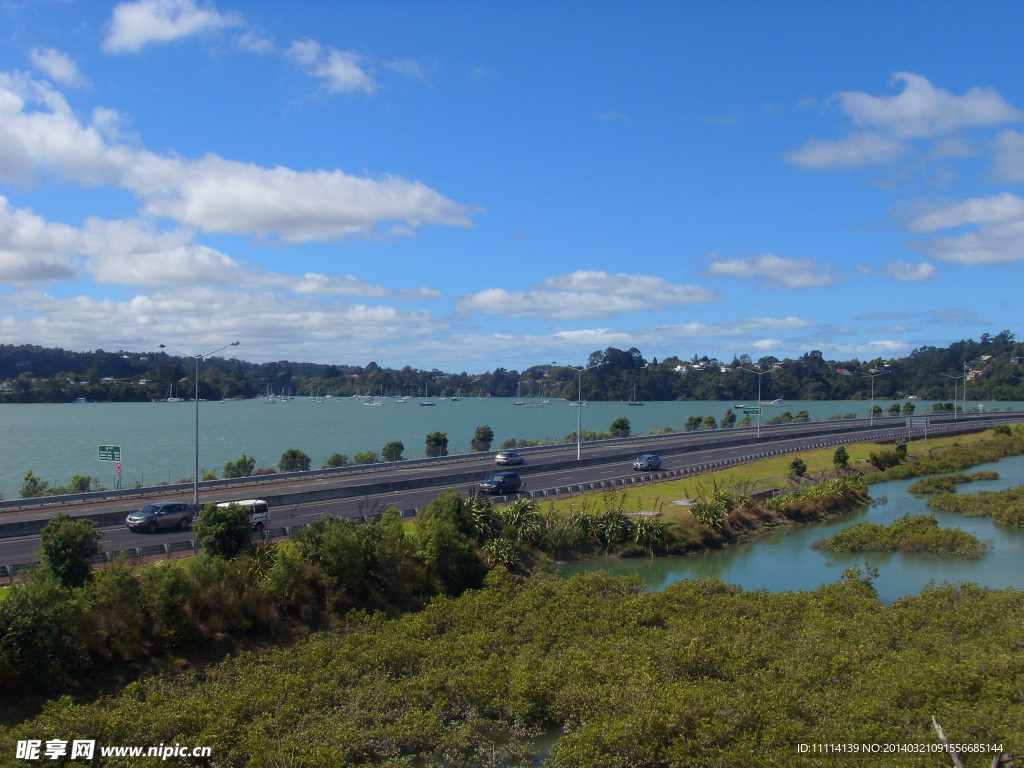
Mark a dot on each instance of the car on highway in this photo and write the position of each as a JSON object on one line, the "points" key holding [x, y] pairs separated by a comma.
{"points": [[647, 462], [506, 458], [259, 511], [161, 515], [501, 484]]}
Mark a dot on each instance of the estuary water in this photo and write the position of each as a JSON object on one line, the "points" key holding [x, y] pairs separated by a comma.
{"points": [[157, 440], [785, 561]]}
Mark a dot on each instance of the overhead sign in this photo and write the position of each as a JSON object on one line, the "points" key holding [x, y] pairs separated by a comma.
{"points": [[110, 453], [751, 411]]}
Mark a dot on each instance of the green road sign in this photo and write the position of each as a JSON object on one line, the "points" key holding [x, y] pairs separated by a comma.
{"points": [[110, 453], [751, 411]]}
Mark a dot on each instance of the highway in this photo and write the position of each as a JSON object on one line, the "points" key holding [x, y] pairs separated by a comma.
{"points": [[296, 501]]}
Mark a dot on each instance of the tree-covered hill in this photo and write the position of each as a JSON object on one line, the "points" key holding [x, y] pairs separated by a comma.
{"points": [[991, 366]]}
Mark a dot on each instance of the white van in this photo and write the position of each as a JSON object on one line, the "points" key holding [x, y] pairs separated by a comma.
{"points": [[259, 511]]}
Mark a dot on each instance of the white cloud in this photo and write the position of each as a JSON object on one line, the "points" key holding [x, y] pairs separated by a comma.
{"points": [[1008, 160], [210, 193], [922, 110], [285, 327], [58, 66], [133, 254], [584, 294], [883, 348], [255, 42], [852, 152], [656, 290], [137, 24], [774, 272], [341, 70], [888, 123], [997, 233], [907, 272]]}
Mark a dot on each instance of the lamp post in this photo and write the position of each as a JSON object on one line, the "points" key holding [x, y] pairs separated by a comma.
{"points": [[955, 378], [197, 358], [579, 403], [759, 374], [873, 376]]}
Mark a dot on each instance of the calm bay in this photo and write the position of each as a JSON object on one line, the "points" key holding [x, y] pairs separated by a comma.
{"points": [[157, 440]]}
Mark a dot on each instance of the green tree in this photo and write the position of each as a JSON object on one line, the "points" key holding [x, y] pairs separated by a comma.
{"points": [[693, 423], [32, 487], [729, 420], [242, 467], [365, 457], [901, 450], [797, 467], [336, 460], [393, 451], [482, 439], [293, 460], [620, 427], [908, 409], [224, 531], [437, 444], [709, 423], [894, 409], [66, 548], [209, 474], [841, 459]]}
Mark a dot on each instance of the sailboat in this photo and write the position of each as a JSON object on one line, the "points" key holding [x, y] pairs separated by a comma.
{"points": [[426, 396], [171, 397], [633, 400]]}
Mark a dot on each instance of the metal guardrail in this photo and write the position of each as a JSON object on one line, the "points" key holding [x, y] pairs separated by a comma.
{"points": [[137, 553]]}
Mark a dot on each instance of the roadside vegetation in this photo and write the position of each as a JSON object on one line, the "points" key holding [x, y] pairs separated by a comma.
{"points": [[701, 673], [910, 533]]}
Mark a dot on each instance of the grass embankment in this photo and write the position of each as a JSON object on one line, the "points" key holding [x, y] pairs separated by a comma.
{"points": [[917, 533], [699, 674], [960, 454]]}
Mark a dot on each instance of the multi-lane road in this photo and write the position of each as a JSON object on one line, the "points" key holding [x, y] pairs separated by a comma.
{"points": [[410, 485]]}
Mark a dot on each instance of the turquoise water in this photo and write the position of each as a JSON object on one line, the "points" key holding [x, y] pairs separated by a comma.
{"points": [[157, 440], [785, 561]]}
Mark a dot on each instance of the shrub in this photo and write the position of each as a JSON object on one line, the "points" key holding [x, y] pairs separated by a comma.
{"points": [[437, 444], [243, 467], [365, 457], [797, 467], [66, 548], [841, 458], [482, 439], [293, 460], [224, 531], [336, 460], [883, 460], [393, 451]]}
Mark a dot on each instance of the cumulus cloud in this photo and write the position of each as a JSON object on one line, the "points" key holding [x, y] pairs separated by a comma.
{"points": [[908, 272], [134, 25], [922, 110], [340, 70], [58, 66], [775, 272], [210, 193], [285, 327], [130, 253], [996, 234], [888, 123], [1008, 156], [584, 294], [854, 151]]}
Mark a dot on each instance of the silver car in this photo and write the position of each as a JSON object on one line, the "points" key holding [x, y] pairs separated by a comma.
{"points": [[161, 514]]}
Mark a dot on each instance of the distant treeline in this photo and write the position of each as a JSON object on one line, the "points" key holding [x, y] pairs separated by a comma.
{"points": [[992, 365]]}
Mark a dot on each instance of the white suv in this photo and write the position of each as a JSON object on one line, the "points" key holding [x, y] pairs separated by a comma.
{"points": [[259, 511]]}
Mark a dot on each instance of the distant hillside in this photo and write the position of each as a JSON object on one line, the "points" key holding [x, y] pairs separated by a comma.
{"points": [[991, 366]]}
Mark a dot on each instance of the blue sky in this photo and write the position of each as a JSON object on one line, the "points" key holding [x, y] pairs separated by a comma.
{"points": [[468, 185]]}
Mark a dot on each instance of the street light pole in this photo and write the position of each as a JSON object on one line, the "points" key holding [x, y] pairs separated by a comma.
{"points": [[579, 404], [197, 358], [873, 376], [954, 378], [759, 374]]}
